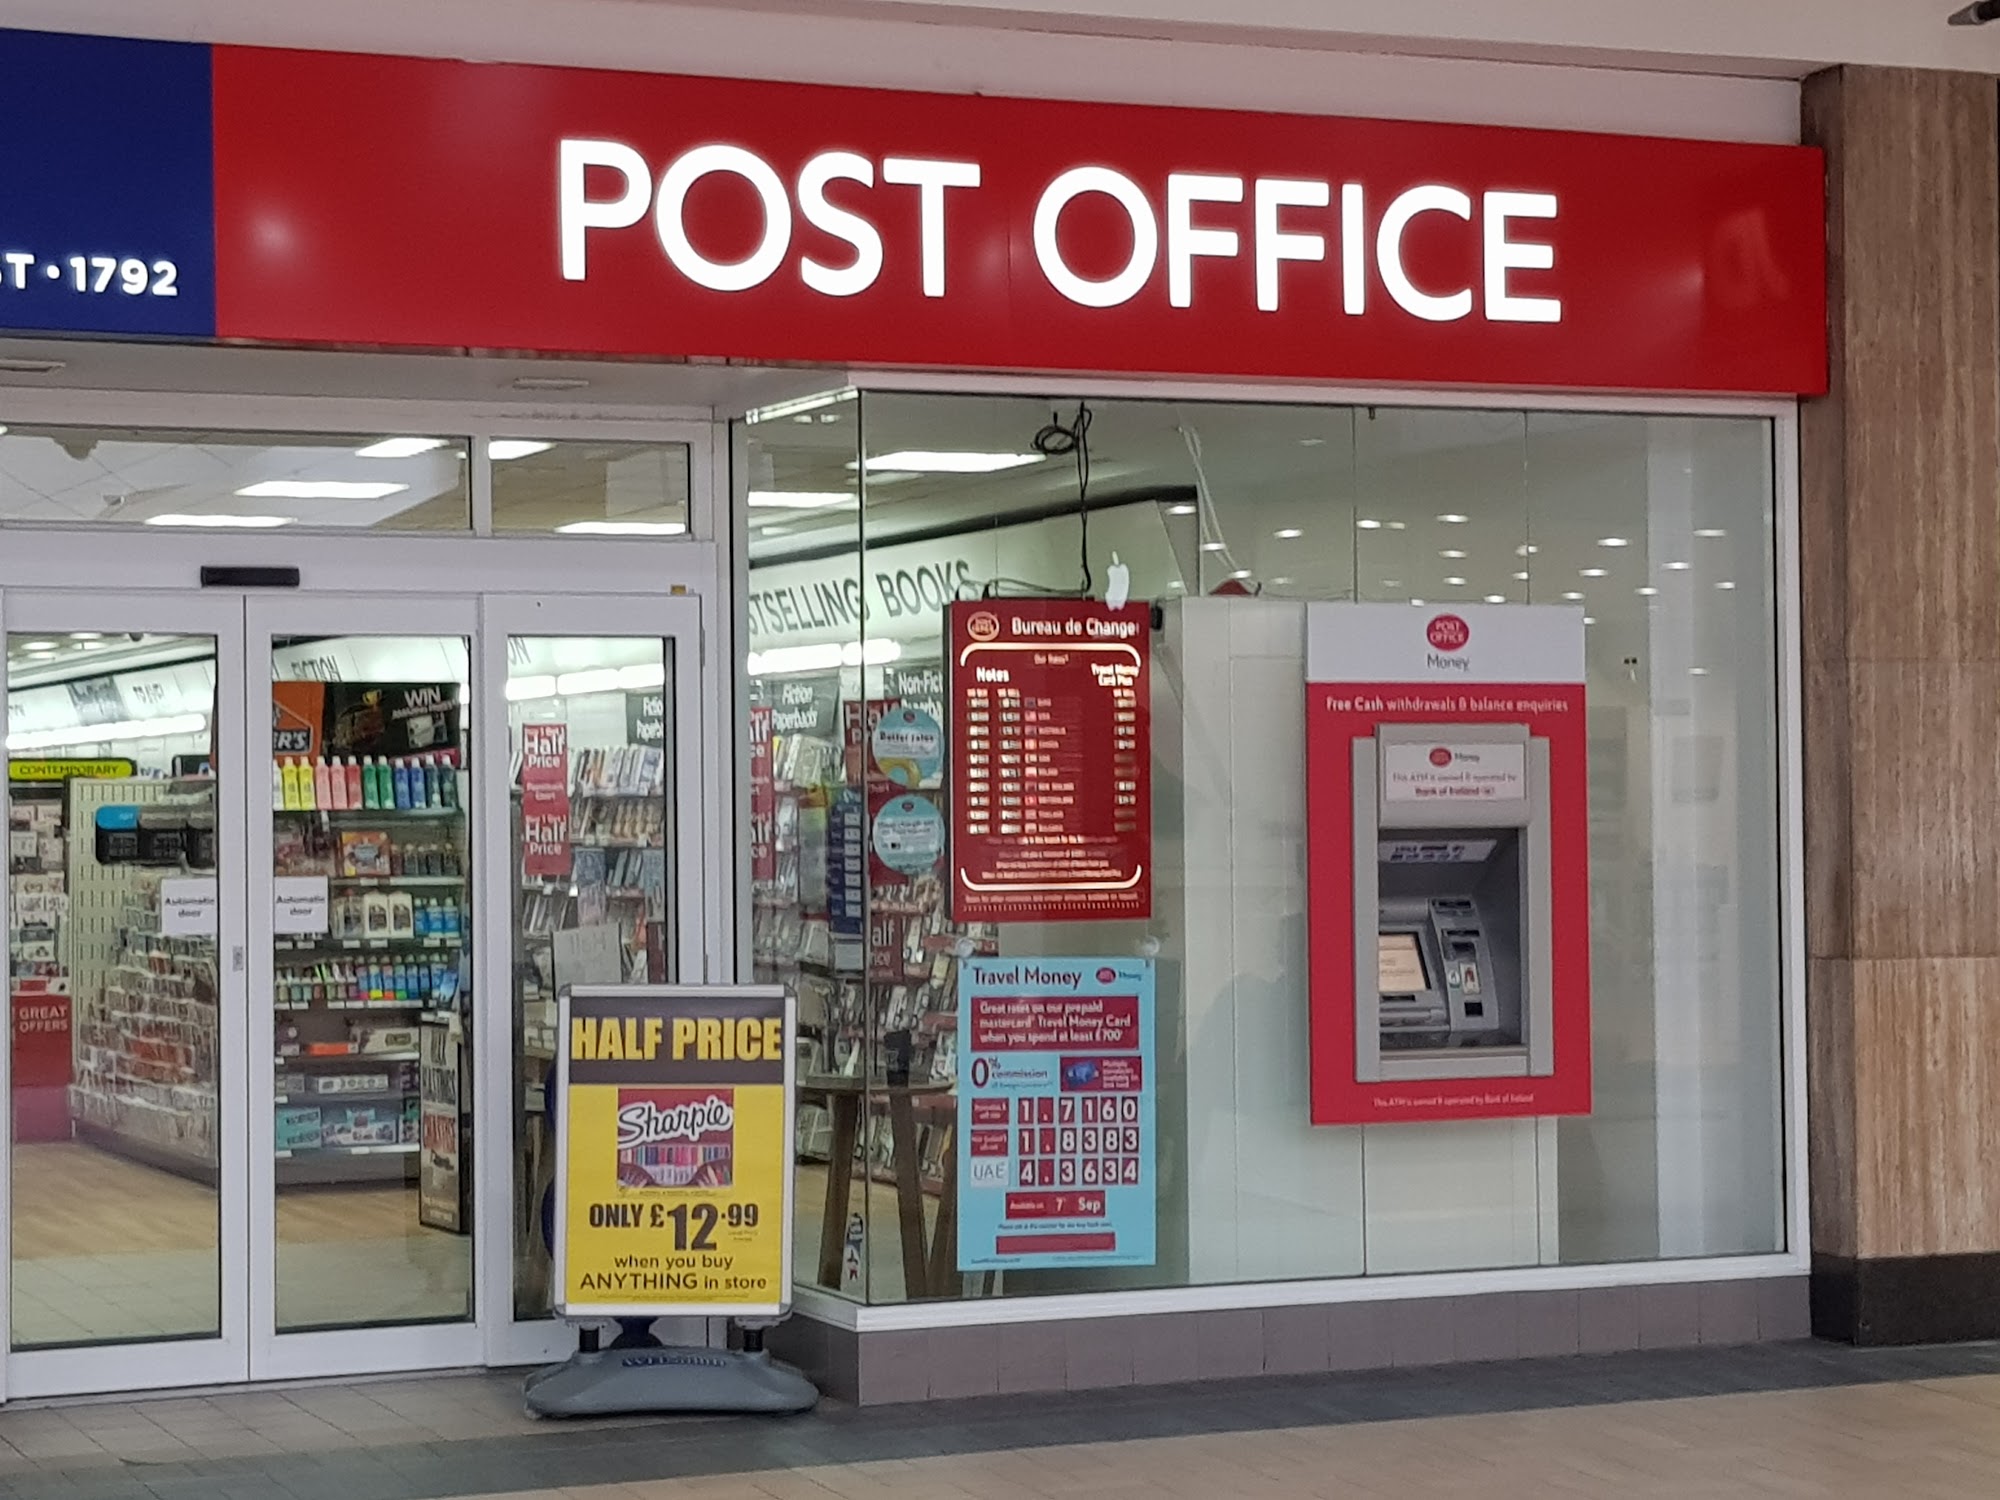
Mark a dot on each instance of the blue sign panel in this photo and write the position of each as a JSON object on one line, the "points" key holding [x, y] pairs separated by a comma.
{"points": [[106, 186], [1056, 1144]]}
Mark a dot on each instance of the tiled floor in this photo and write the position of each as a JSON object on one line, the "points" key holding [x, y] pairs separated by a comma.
{"points": [[1792, 1421]]}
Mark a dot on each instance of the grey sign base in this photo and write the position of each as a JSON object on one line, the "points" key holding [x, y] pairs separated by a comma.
{"points": [[608, 1382]]}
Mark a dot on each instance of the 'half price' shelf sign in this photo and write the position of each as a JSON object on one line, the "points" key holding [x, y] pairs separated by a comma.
{"points": [[1052, 817]]}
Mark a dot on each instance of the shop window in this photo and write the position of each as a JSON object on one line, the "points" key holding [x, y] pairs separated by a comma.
{"points": [[70, 476], [1233, 519], [589, 488]]}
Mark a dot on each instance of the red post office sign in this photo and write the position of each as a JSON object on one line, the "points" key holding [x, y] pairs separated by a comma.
{"points": [[428, 203], [1051, 748]]}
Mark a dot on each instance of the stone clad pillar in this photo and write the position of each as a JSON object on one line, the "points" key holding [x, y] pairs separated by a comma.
{"points": [[1900, 553]]}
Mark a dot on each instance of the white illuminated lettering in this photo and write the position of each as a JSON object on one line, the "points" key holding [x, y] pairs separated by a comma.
{"points": [[1353, 252], [1275, 244], [720, 276], [1122, 287], [1430, 198], [1504, 255], [844, 166], [1184, 240], [578, 214], [931, 178]]}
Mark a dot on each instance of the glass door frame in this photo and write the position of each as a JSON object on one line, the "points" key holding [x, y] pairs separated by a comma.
{"points": [[318, 1353], [164, 1363], [675, 620]]}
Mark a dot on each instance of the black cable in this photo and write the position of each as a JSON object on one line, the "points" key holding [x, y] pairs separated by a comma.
{"points": [[1053, 441]]}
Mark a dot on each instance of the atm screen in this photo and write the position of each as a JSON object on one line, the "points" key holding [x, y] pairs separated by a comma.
{"points": [[1400, 964]]}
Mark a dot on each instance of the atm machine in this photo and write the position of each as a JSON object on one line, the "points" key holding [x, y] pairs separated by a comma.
{"points": [[1452, 936]]}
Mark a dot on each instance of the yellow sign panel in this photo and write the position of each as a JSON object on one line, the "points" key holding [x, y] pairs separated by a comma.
{"points": [[112, 769], [675, 1150]]}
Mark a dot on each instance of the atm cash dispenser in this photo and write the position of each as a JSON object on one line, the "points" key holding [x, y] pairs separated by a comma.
{"points": [[1452, 936]]}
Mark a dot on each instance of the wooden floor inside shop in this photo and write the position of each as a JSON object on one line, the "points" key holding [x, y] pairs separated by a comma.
{"points": [[883, 1242], [107, 1248]]}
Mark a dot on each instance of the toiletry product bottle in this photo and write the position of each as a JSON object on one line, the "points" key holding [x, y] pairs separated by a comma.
{"points": [[322, 784], [277, 785], [448, 784], [402, 773], [336, 786], [368, 798], [354, 793], [436, 775]]}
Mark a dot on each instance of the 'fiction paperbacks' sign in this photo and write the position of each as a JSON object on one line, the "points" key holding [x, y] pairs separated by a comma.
{"points": [[674, 1140]]}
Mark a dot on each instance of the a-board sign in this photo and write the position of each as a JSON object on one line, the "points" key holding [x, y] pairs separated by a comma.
{"points": [[674, 1122]]}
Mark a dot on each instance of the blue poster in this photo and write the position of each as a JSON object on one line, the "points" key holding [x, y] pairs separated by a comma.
{"points": [[1055, 1113]]}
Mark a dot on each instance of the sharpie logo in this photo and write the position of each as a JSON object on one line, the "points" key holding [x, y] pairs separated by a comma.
{"points": [[1448, 633], [648, 1124]]}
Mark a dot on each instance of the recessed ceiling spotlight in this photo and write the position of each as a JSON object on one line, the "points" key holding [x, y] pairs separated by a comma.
{"points": [[1520, 577], [1588, 620], [86, 635], [1496, 598], [1725, 584], [1182, 509], [1572, 596], [1591, 572], [1367, 523], [1614, 541], [1399, 525], [1287, 533], [1312, 442], [1453, 518], [1456, 582], [1645, 590], [1240, 573], [1697, 671], [1211, 546], [1676, 567], [1450, 552], [1711, 531], [1526, 549]]}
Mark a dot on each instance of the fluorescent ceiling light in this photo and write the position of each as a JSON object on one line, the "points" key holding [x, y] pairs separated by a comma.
{"points": [[86, 635], [1287, 533], [541, 685], [623, 528], [99, 734], [646, 675], [1496, 598], [596, 680], [1710, 531], [252, 522], [1453, 518], [877, 652], [1520, 577], [321, 489], [1591, 572], [1181, 510], [926, 461], [1240, 573], [1646, 589], [1457, 583], [799, 499], [1588, 620], [39, 646], [399, 447], [1676, 567], [1725, 584], [502, 449], [1572, 594], [796, 405], [1526, 549], [1451, 552], [1367, 524], [1613, 541]]}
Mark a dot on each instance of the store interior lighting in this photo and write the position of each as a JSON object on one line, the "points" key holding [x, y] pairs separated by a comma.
{"points": [[399, 447], [799, 499], [623, 528], [220, 520], [822, 658], [320, 489], [500, 450], [106, 734], [634, 679], [926, 461]]}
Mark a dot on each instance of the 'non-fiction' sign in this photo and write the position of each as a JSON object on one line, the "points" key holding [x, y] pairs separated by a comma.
{"points": [[1055, 1113], [1051, 744], [674, 1151]]}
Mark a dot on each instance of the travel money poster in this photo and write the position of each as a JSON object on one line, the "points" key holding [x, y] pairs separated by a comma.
{"points": [[1056, 1137], [675, 1152]]}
